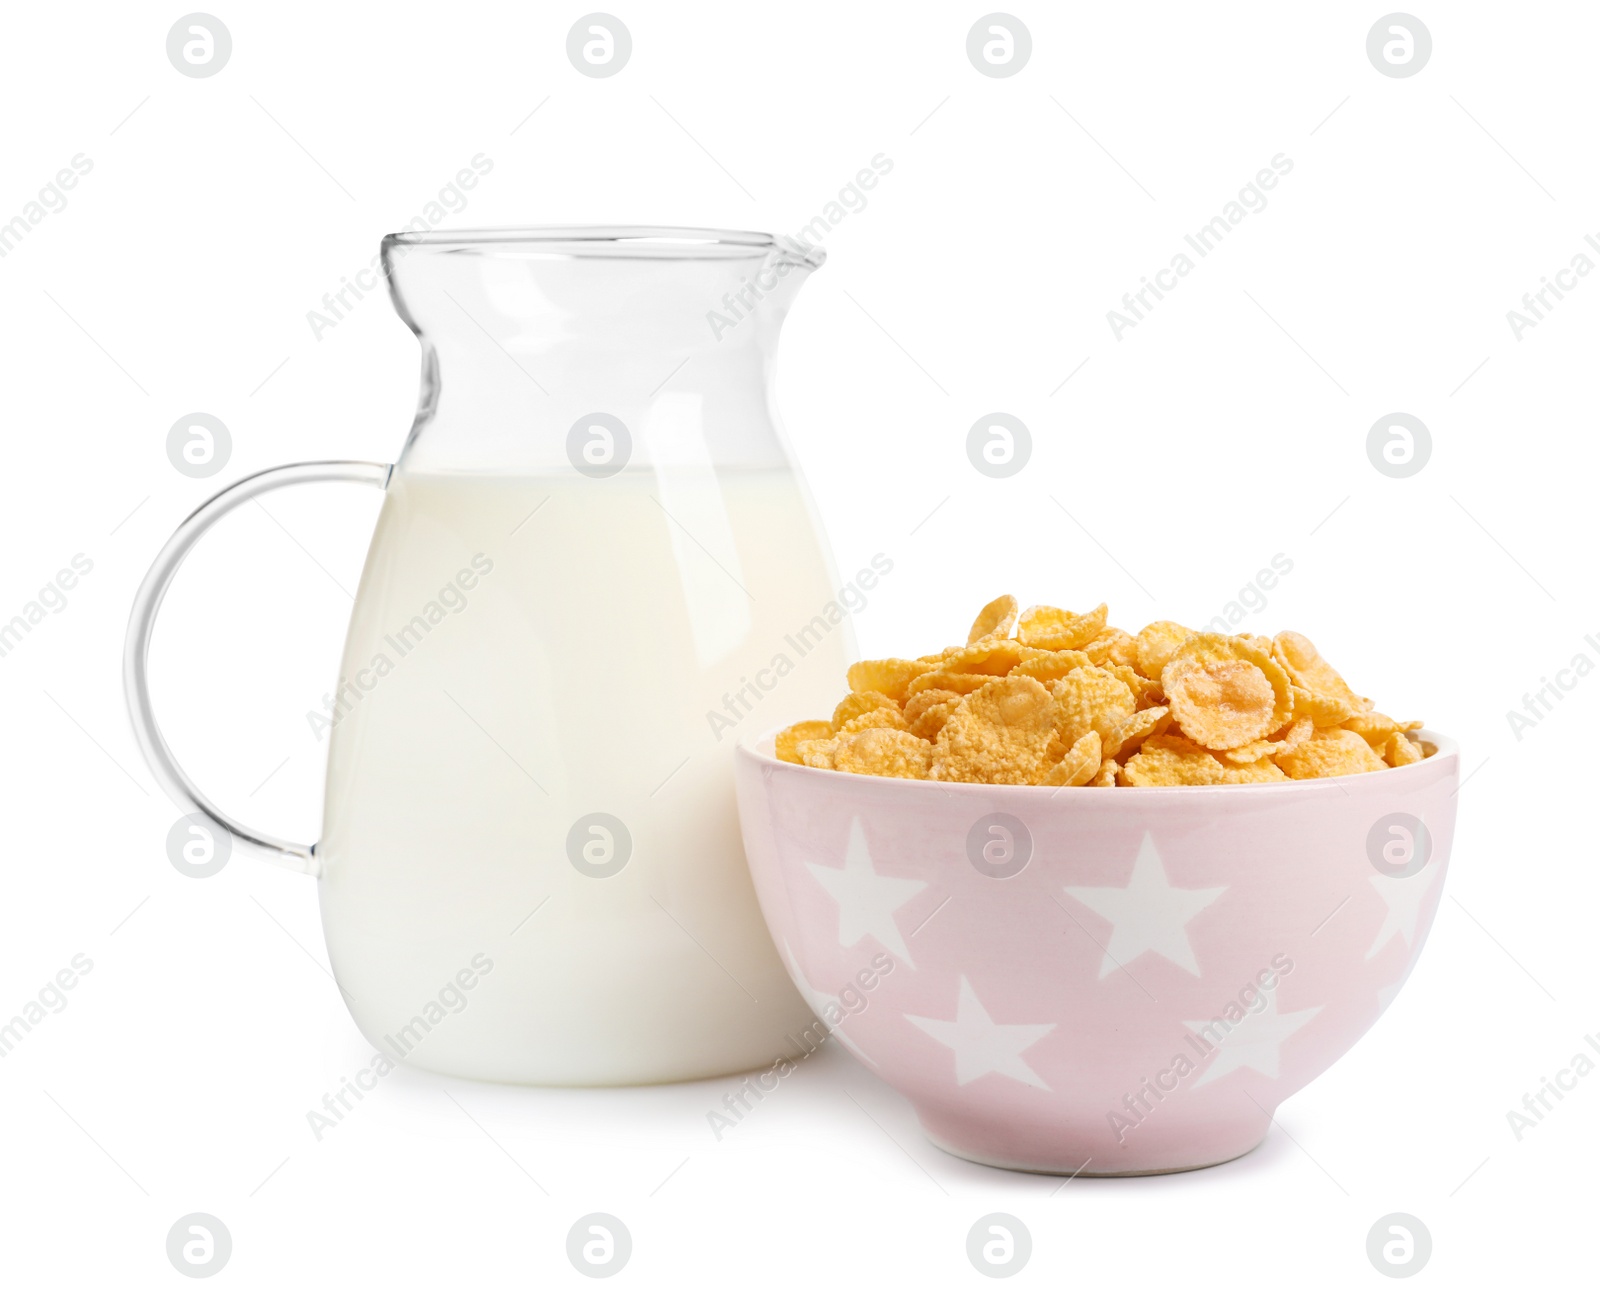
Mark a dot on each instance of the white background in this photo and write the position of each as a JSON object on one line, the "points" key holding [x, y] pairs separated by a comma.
{"points": [[1228, 426]]}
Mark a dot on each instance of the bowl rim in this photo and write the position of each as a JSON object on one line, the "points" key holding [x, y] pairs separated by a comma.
{"points": [[1446, 761]]}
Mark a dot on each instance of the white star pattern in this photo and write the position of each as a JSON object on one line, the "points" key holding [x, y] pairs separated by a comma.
{"points": [[1254, 1042], [867, 900], [1149, 914], [980, 1044], [1404, 897]]}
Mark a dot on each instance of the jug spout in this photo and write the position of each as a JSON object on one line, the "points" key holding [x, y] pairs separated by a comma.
{"points": [[768, 290]]}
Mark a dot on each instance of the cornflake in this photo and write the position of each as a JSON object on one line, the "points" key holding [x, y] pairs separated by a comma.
{"points": [[1051, 697], [1000, 735]]}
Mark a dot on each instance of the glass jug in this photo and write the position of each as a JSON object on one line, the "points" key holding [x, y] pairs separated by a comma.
{"points": [[595, 568]]}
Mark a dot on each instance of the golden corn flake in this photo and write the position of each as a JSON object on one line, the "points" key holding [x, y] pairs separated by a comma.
{"points": [[1090, 699], [879, 751], [931, 721], [817, 753], [998, 736], [1171, 760], [882, 717], [1254, 752], [920, 703], [960, 683], [1157, 643], [1329, 752], [1224, 692], [1401, 751], [1285, 738], [1079, 766], [1113, 647], [1047, 665], [1323, 710], [1052, 629], [1298, 729], [859, 702], [888, 677], [787, 744], [1263, 769], [995, 620], [1146, 691], [1307, 668], [1376, 728], [995, 656], [1134, 730], [1048, 697]]}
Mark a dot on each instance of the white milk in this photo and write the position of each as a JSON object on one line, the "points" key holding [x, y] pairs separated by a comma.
{"points": [[583, 633]]}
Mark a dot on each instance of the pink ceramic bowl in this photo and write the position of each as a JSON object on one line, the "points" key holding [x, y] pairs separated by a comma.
{"points": [[1097, 981]]}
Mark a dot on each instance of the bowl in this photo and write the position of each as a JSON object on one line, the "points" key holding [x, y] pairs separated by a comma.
{"points": [[1095, 981]]}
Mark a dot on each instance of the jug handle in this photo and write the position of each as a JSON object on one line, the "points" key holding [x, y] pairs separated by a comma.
{"points": [[141, 623]]}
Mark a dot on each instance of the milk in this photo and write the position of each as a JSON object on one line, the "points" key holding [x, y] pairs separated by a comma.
{"points": [[528, 651]]}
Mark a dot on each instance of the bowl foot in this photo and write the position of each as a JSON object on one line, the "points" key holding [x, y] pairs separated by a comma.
{"points": [[1085, 1170], [1180, 1139]]}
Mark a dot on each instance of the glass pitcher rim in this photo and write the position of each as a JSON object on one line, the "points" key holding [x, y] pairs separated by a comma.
{"points": [[606, 241]]}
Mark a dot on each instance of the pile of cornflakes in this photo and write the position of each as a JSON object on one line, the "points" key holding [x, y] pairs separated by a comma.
{"points": [[1046, 697]]}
